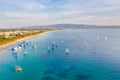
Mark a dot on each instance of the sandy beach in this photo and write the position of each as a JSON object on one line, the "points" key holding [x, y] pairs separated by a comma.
{"points": [[16, 41]]}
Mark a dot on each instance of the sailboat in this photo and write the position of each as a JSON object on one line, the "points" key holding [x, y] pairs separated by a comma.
{"points": [[97, 38], [67, 51]]}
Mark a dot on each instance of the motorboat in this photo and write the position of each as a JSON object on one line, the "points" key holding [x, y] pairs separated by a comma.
{"points": [[18, 68]]}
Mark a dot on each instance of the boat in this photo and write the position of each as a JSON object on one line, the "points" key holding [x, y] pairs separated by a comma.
{"points": [[94, 51], [16, 53], [26, 52], [62, 41], [18, 68], [106, 37], [67, 51], [48, 50], [97, 38], [35, 46], [19, 48]]}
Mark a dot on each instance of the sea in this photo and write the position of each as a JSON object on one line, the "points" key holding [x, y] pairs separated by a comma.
{"points": [[94, 54]]}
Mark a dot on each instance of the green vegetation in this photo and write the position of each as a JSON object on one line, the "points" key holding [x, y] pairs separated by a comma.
{"points": [[4, 40]]}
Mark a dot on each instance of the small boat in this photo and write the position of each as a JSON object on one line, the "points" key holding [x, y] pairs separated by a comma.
{"points": [[67, 51], [19, 48], [106, 37], [18, 68], [97, 38], [26, 52], [94, 51], [48, 50], [35, 46], [16, 53], [62, 41]]}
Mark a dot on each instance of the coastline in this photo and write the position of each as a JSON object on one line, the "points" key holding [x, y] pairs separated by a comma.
{"points": [[2, 47]]}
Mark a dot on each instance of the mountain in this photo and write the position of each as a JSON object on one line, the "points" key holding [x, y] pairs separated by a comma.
{"points": [[73, 26]]}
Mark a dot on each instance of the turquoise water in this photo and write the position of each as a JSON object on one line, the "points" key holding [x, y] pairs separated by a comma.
{"points": [[91, 57]]}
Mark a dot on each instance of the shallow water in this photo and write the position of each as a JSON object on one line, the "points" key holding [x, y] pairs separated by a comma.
{"points": [[91, 57]]}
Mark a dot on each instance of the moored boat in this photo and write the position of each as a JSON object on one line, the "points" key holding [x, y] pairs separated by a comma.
{"points": [[67, 51], [18, 68]]}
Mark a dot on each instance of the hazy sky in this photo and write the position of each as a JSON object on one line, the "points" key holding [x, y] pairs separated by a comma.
{"points": [[42, 12]]}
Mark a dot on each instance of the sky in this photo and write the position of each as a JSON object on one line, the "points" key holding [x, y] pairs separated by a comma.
{"points": [[16, 13]]}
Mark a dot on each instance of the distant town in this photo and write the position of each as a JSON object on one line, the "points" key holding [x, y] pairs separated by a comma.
{"points": [[13, 33], [9, 35]]}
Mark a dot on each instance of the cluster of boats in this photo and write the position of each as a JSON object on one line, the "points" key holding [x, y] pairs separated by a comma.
{"points": [[17, 49], [21, 46], [105, 38], [54, 45]]}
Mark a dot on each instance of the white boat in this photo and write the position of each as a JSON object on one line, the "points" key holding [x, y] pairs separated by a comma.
{"points": [[18, 68], [67, 51], [16, 48], [97, 38], [26, 52], [106, 37], [35, 46], [62, 41]]}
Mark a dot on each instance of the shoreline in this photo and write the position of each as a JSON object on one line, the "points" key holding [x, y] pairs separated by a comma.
{"points": [[2, 47]]}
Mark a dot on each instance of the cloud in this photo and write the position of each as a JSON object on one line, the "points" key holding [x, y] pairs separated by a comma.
{"points": [[32, 6], [36, 12]]}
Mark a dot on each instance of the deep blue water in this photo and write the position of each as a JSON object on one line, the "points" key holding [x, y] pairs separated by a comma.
{"points": [[91, 57]]}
